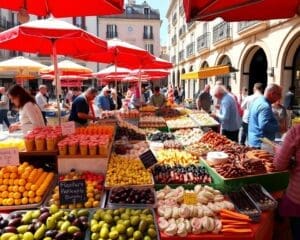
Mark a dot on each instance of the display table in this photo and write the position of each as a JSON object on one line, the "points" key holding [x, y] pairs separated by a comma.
{"points": [[261, 231]]}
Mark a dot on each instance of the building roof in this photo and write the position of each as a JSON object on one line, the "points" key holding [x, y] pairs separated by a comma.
{"points": [[137, 11]]}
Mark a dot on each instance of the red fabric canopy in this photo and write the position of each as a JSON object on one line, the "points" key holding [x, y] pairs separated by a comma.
{"points": [[240, 10], [65, 8]]}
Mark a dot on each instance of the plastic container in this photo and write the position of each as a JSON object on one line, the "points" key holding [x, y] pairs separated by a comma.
{"points": [[93, 147], [51, 142], [83, 148], [63, 148], [73, 147], [40, 143], [216, 158], [269, 204], [29, 143]]}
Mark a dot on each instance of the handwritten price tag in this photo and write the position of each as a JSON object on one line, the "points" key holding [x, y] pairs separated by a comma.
{"points": [[68, 128], [9, 157]]}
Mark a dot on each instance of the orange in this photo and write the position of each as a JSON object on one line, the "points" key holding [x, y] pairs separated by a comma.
{"points": [[25, 194], [1, 181], [21, 169], [25, 175], [96, 204], [10, 201], [11, 182], [10, 188], [33, 187], [15, 188], [21, 189], [31, 194], [31, 200], [13, 169], [4, 202], [21, 182], [16, 182], [4, 194], [88, 204], [37, 199], [1, 201], [17, 195], [5, 181], [28, 186], [6, 175], [17, 201], [11, 195], [3, 188], [24, 200], [1, 174], [39, 192], [13, 175]]}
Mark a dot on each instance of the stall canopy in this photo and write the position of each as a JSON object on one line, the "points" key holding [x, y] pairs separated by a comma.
{"points": [[240, 10], [208, 72], [64, 8]]}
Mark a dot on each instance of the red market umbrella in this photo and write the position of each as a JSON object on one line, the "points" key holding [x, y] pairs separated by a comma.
{"points": [[67, 80], [64, 8], [240, 10], [121, 54], [112, 70], [156, 63], [51, 37]]}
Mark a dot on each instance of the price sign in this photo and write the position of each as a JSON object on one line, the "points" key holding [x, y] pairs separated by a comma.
{"points": [[190, 198], [68, 128], [72, 191], [9, 157], [148, 159]]}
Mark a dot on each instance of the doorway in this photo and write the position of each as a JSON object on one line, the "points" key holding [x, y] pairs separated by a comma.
{"points": [[258, 70], [296, 74]]}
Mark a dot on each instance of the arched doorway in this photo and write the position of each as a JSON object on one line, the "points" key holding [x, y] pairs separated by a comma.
{"points": [[191, 84], [178, 78], [183, 84], [258, 69], [296, 73], [224, 60], [203, 81]]}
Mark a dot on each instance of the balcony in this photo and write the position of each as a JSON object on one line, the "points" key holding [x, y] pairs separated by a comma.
{"points": [[190, 49], [222, 33], [203, 42], [111, 35], [181, 56], [251, 27], [174, 40], [148, 36], [182, 31], [173, 59]]}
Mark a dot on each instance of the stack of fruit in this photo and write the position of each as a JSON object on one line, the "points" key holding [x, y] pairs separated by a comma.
{"points": [[23, 184], [182, 212], [160, 136], [94, 188], [46, 224], [13, 143], [124, 170], [129, 130], [181, 122], [175, 157], [188, 136], [152, 122], [148, 108], [123, 223], [43, 139], [199, 149], [203, 119]]}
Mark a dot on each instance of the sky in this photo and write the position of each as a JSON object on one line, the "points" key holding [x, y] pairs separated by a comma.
{"points": [[162, 5]]}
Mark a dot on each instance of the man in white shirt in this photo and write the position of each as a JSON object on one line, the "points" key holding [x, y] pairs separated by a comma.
{"points": [[41, 99], [257, 91]]}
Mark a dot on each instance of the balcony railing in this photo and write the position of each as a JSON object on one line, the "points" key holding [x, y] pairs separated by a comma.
{"points": [[221, 32], [181, 56], [246, 24], [111, 34], [148, 35], [203, 41], [190, 49], [173, 59]]}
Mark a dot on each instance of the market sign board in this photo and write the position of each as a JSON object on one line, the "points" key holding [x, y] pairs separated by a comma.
{"points": [[148, 159], [72, 191]]}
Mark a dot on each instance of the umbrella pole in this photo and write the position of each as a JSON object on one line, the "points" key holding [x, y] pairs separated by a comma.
{"points": [[58, 90], [140, 84]]}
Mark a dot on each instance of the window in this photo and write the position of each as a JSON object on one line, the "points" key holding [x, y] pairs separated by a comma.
{"points": [[205, 27], [111, 31], [146, 11], [148, 32], [149, 47], [79, 22]]}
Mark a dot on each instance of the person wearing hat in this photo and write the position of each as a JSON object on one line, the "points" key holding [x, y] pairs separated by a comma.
{"points": [[104, 100], [41, 99], [82, 109]]}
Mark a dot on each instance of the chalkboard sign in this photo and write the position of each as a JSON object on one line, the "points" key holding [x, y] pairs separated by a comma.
{"points": [[72, 191], [148, 159]]}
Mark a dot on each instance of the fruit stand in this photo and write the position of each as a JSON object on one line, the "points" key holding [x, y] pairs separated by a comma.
{"points": [[182, 196]]}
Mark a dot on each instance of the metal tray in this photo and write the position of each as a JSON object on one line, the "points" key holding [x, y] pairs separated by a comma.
{"points": [[141, 205], [263, 207], [255, 217], [88, 232], [34, 205]]}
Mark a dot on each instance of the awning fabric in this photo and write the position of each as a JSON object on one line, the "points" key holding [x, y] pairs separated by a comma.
{"points": [[208, 72]]}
